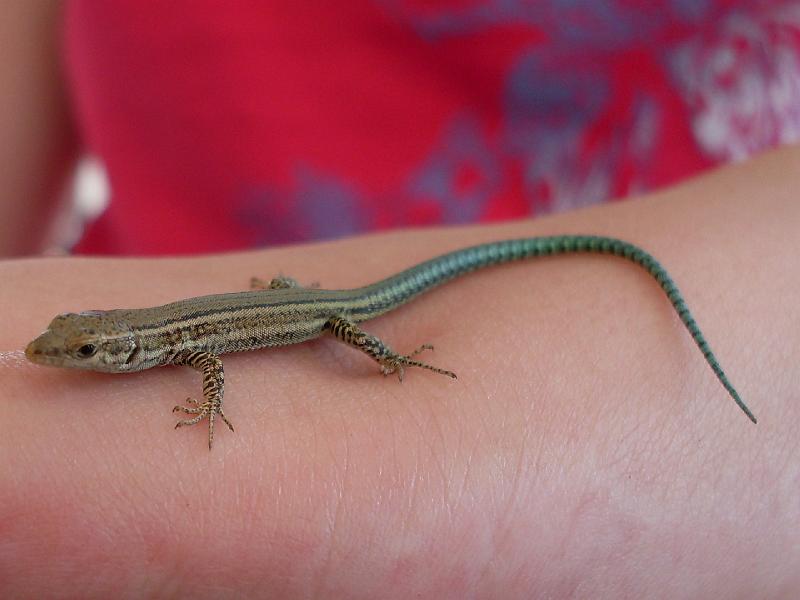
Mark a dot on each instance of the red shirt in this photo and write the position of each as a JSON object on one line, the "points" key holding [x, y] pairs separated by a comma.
{"points": [[235, 124]]}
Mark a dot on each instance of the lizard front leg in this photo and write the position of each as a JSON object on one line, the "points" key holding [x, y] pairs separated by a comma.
{"points": [[210, 365], [280, 282], [389, 360]]}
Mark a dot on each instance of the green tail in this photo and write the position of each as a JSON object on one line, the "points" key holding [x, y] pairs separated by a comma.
{"points": [[403, 287]]}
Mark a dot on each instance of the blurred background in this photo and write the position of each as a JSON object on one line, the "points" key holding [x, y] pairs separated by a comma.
{"points": [[175, 127]]}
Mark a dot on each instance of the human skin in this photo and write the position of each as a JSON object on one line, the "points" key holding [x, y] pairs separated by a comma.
{"points": [[39, 144], [586, 449]]}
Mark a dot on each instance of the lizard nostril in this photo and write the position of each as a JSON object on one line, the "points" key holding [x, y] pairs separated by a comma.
{"points": [[33, 350]]}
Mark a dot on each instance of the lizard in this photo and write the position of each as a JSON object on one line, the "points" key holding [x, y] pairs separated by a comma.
{"points": [[196, 331]]}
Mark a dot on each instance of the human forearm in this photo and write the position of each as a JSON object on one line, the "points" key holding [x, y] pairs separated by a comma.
{"points": [[585, 442]]}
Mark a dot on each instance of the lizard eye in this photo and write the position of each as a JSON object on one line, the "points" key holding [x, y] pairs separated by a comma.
{"points": [[86, 350]]}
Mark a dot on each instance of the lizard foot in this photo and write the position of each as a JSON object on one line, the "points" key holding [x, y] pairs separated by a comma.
{"points": [[396, 363], [201, 410]]}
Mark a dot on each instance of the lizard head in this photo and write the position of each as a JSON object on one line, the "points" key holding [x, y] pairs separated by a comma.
{"points": [[95, 340]]}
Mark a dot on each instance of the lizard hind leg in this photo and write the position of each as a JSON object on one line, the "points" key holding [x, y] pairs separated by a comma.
{"points": [[389, 360]]}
